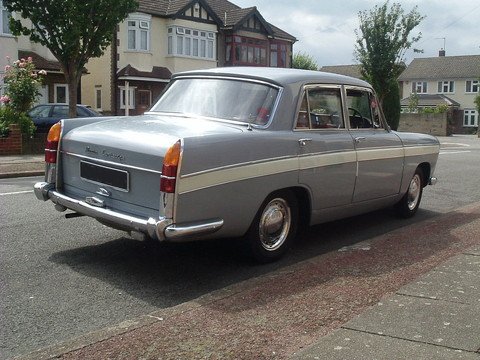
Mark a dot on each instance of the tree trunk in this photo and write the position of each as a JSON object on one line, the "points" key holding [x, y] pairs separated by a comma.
{"points": [[72, 77]]}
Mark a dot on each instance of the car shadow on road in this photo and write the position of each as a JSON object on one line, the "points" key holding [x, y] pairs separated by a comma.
{"points": [[165, 275]]}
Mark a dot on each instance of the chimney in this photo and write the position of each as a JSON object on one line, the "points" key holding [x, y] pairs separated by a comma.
{"points": [[441, 52]]}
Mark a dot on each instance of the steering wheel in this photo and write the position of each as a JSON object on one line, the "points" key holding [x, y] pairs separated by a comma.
{"points": [[357, 120]]}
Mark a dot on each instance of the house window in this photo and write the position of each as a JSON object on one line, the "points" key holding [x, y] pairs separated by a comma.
{"points": [[471, 86], [470, 118], [419, 87], [60, 93], [4, 20], [138, 33], [445, 87], [278, 55], [191, 43], [131, 97], [246, 51], [98, 99]]}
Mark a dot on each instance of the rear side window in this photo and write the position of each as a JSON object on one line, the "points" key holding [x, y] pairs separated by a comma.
{"points": [[60, 111], [321, 108], [81, 112]]}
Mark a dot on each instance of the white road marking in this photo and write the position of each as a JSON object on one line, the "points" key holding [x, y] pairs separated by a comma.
{"points": [[17, 192], [454, 152]]}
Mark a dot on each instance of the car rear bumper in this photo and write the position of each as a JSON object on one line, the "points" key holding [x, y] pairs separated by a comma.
{"points": [[160, 229]]}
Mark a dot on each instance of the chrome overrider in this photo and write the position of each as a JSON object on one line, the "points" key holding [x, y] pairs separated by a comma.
{"points": [[159, 229]]}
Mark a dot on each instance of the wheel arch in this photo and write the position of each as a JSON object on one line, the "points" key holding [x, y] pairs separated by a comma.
{"points": [[426, 170]]}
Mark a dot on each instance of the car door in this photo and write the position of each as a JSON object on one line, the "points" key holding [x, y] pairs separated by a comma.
{"points": [[327, 158], [380, 154]]}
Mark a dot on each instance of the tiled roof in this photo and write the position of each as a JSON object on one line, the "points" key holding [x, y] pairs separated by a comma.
{"points": [[348, 70], [157, 72], [431, 100], [40, 62], [443, 67], [223, 10]]}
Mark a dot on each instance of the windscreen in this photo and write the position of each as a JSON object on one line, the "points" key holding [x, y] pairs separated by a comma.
{"points": [[226, 99]]}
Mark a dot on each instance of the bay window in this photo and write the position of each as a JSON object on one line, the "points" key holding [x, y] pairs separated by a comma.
{"points": [[191, 43]]}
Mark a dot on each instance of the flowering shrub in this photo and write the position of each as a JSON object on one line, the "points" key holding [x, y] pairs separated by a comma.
{"points": [[22, 83]]}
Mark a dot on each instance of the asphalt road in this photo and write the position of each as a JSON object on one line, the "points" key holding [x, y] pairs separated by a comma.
{"points": [[62, 278]]}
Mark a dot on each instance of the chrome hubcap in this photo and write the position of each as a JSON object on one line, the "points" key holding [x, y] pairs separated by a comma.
{"points": [[275, 224], [414, 192]]}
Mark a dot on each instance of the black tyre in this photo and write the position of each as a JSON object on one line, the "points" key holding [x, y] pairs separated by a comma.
{"points": [[273, 228], [408, 205]]}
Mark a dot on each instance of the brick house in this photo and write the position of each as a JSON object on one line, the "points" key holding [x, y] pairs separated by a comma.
{"points": [[164, 37], [453, 81]]}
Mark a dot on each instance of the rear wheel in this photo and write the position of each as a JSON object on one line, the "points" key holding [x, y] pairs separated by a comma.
{"points": [[274, 227], [408, 205]]}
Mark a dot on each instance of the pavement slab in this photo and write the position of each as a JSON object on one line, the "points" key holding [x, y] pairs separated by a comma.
{"points": [[436, 322], [356, 345], [457, 280]]}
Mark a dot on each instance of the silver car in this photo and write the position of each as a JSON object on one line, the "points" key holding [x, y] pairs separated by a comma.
{"points": [[239, 152]]}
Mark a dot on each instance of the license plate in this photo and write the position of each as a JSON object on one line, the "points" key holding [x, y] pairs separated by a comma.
{"points": [[104, 175]]}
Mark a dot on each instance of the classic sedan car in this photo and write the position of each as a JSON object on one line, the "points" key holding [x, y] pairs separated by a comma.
{"points": [[251, 153]]}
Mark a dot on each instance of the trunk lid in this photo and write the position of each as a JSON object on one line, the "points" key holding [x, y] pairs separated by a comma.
{"points": [[119, 160]]}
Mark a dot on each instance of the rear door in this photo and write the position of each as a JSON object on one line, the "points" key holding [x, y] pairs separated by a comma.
{"points": [[380, 154], [327, 158]]}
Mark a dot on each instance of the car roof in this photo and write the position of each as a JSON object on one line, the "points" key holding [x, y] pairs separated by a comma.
{"points": [[279, 76]]}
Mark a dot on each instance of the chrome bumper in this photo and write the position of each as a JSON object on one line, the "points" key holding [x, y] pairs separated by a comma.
{"points": [[432, 180], [160, 229]]}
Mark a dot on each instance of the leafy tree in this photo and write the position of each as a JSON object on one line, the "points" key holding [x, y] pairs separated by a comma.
{"points": [[304, 61], [73, 30], [382, 40]]}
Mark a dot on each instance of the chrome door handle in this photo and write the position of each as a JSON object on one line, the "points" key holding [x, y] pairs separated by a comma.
{"points": [[360, 138], [303, 142]]}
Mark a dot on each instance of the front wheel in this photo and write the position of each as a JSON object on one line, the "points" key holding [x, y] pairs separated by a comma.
{"points": [[408, 205], [274, 227]]}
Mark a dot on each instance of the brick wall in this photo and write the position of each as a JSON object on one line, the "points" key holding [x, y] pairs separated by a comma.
{"points": [[434, 124], [12, 145]]}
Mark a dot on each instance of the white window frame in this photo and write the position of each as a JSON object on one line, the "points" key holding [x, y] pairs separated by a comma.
{"points": [[473, 84], [139, 24], [468, 116], [98, 92], [131, 92], [419, 87], [55, 93], [3, 12], [446, 87], [191, 43]]}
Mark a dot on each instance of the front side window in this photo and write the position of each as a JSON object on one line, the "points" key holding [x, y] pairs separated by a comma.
{"points": [[363, 110], [191, 43], [138, 33], [233, 100], [446, 87], [471, 86], [321, 108], [470, 118], [4, 20], [419, 87]]}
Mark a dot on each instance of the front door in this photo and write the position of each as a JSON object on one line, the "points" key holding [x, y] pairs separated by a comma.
{"points": [[380, 154], [327, 157]]}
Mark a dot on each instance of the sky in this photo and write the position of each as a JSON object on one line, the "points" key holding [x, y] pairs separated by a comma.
{"points": [[325, 29]]}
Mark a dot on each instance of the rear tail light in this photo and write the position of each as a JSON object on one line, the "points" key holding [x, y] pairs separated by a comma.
{"points": [[51, 146], [169, 169]]}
